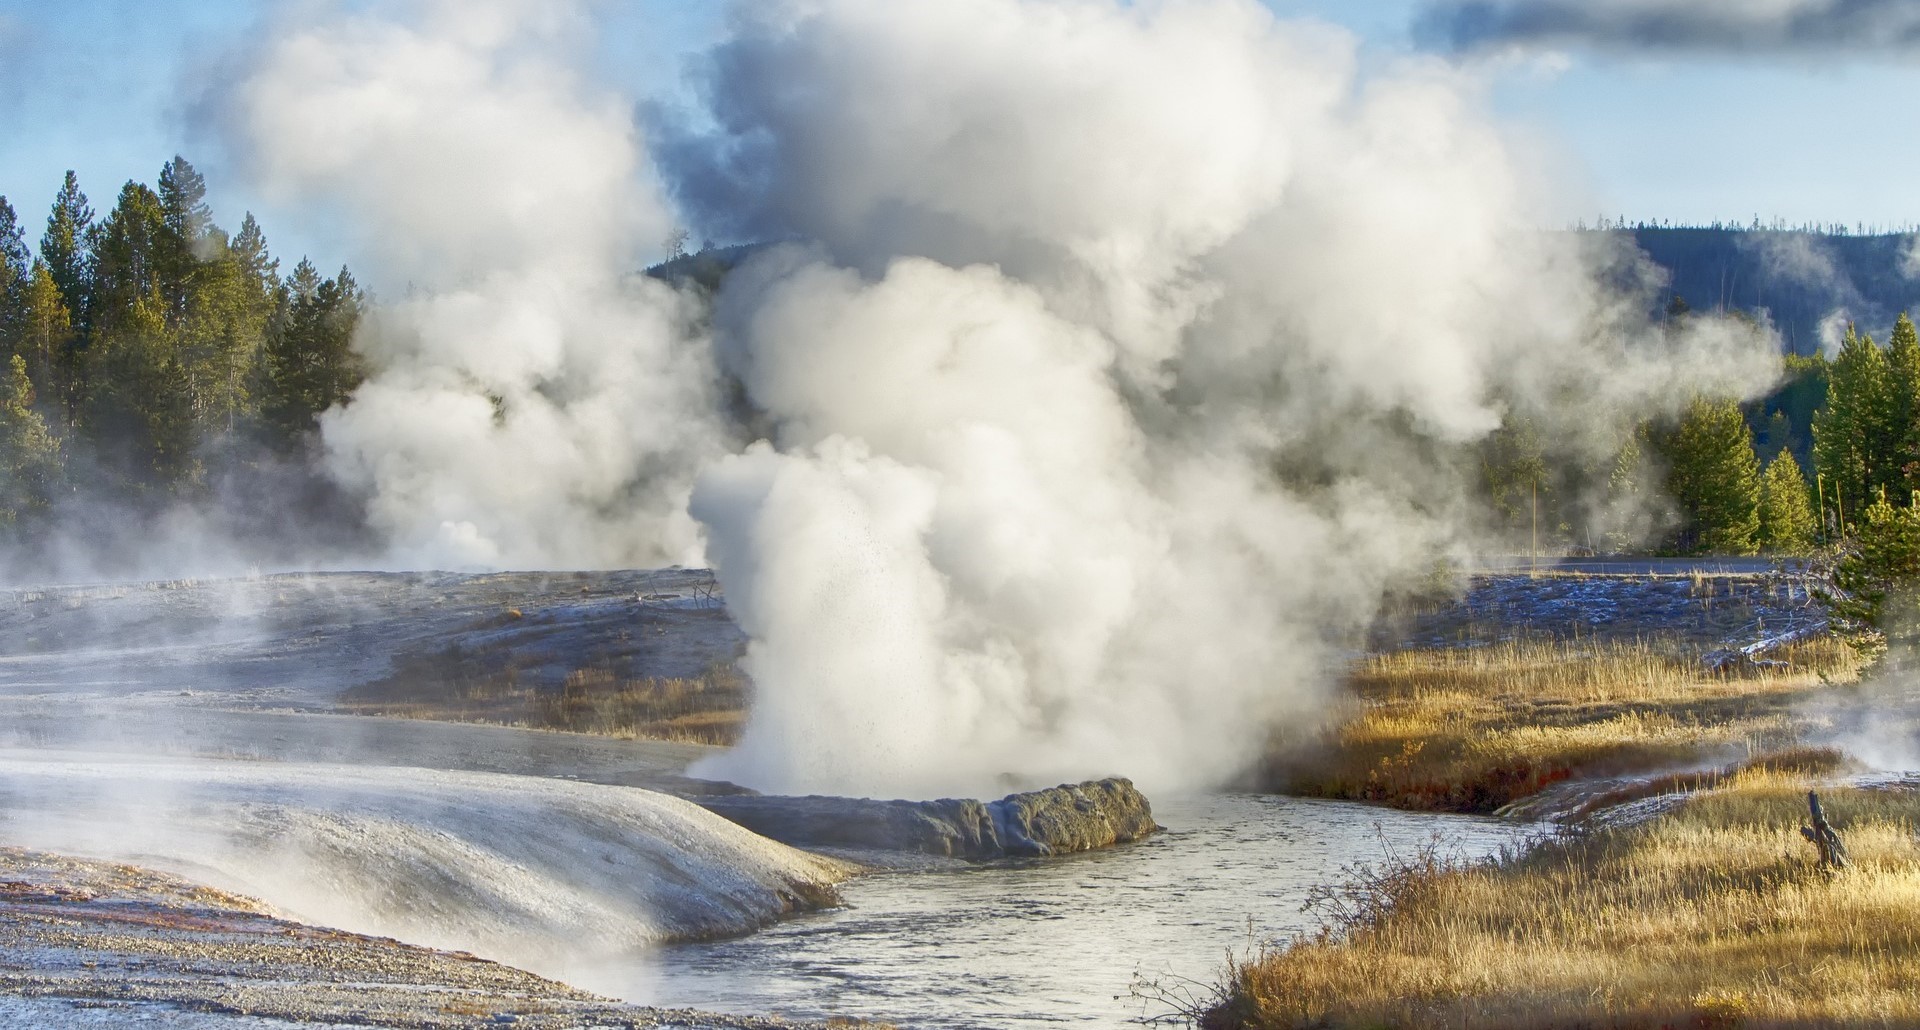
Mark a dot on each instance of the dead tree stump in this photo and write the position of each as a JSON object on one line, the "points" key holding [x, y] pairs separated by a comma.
{"points": [[1833, 853]]}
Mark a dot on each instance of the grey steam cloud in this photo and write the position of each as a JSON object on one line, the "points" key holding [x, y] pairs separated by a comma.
{"points": [[1126, 356], [1733, 26]]}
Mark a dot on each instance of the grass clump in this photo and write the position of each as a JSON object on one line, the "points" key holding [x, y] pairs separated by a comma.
{"points": [[1472, 730], [1709, 916]]}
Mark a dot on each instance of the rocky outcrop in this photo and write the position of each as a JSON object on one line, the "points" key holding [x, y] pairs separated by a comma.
{"points": [[1055, 821]]}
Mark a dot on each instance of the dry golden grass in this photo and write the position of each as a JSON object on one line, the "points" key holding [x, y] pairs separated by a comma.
{"points": [[708, 709], [1712, 915], [1471, 730]]}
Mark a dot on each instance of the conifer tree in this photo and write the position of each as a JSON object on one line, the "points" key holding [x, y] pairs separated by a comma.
{"points": [[129, 250], [30, 468], [64, 245], [1715, 477], [249, 249], [1849, 433], [1786, 512], [138, 410], [14, 273], [220, 342], [1513, 470], [1901, 445], [46, 340], [188, 229], [310, 364], [1627, 519], [1879, 566]]}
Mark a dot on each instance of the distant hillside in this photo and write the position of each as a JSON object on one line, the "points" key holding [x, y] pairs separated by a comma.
{"points": [[1799, 278]]}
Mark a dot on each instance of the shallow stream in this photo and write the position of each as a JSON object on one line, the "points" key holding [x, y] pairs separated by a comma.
{"points": [[1052, 943]]}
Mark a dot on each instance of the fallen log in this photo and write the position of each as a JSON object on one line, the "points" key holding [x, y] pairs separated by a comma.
{"points": [[1723, 659]]}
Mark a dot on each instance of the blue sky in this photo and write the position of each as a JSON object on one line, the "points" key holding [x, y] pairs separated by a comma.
{"points": [[96, 85]]}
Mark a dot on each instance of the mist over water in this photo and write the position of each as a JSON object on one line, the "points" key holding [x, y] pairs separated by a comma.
{"points": [[1125, 356]]}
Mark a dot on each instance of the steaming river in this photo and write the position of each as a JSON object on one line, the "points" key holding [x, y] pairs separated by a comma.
{"points": [[1050, 943]]}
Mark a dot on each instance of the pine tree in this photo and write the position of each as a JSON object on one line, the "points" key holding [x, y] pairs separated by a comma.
{"points": [[1849, 434], [1879, 566], [183, 197], [46, 340], [1786, 512], [64, 245], [129, 251], [310, 364], [14, 275], [304, 282], [221, 341], [1627, 520], [1901, 445], [30, 468], [1513, 470], [138, 410], [1715, 477], [249, 248], [188, 230]]}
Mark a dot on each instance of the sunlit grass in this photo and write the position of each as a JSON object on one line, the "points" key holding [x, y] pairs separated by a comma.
{"points": [[1472, 729], [1712, 915]]}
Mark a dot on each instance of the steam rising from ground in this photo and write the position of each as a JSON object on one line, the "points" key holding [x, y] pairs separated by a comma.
{"points": [[1129, 358], [533, 402]]}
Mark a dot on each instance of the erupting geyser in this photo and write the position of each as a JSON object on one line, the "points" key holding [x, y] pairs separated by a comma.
{"points": [[1124, 358]]}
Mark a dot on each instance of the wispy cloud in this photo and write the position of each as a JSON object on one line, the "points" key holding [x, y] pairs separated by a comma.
{"points": [[1730, 26]]}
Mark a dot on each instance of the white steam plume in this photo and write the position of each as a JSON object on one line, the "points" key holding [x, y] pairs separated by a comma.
{"points": [[1129, 358], [1087, 276], [532, 401]]}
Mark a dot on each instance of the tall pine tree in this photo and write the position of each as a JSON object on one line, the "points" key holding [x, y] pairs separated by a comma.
{"points": [[1902, 414], [310, 364], [129, 250], [1786, 512], [1850, 433], [30, 468], [64, 245], [187, 232], [1715, 478], [47, 341], [14, 275]]}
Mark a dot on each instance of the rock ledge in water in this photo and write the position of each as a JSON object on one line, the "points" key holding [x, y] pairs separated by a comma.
{"points": [[1056, 821]]}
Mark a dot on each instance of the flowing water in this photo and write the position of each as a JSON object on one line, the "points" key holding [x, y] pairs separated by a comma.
{"points": [[1054, 943]]}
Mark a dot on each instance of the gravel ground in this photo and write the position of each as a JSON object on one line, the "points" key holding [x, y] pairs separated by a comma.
{"points": [[85, 944]]}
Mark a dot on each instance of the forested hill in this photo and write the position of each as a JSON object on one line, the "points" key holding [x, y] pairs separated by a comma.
{"points": [[1798, 277]]}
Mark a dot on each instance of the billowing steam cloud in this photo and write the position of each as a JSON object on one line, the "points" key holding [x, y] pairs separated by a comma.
{"points": [[533, 402], [1734, 26], [1127, 357], [1087, 276]]}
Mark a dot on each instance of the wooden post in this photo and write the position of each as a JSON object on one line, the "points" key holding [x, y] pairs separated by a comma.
{"points": [[1833, 853]]}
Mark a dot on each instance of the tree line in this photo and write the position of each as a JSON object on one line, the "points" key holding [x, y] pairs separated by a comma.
{"points": [[152, 356], [1797, 468], [153, 359]]}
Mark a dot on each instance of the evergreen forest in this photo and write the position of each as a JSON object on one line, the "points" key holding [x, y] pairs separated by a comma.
{"points": [[156, 362]]}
